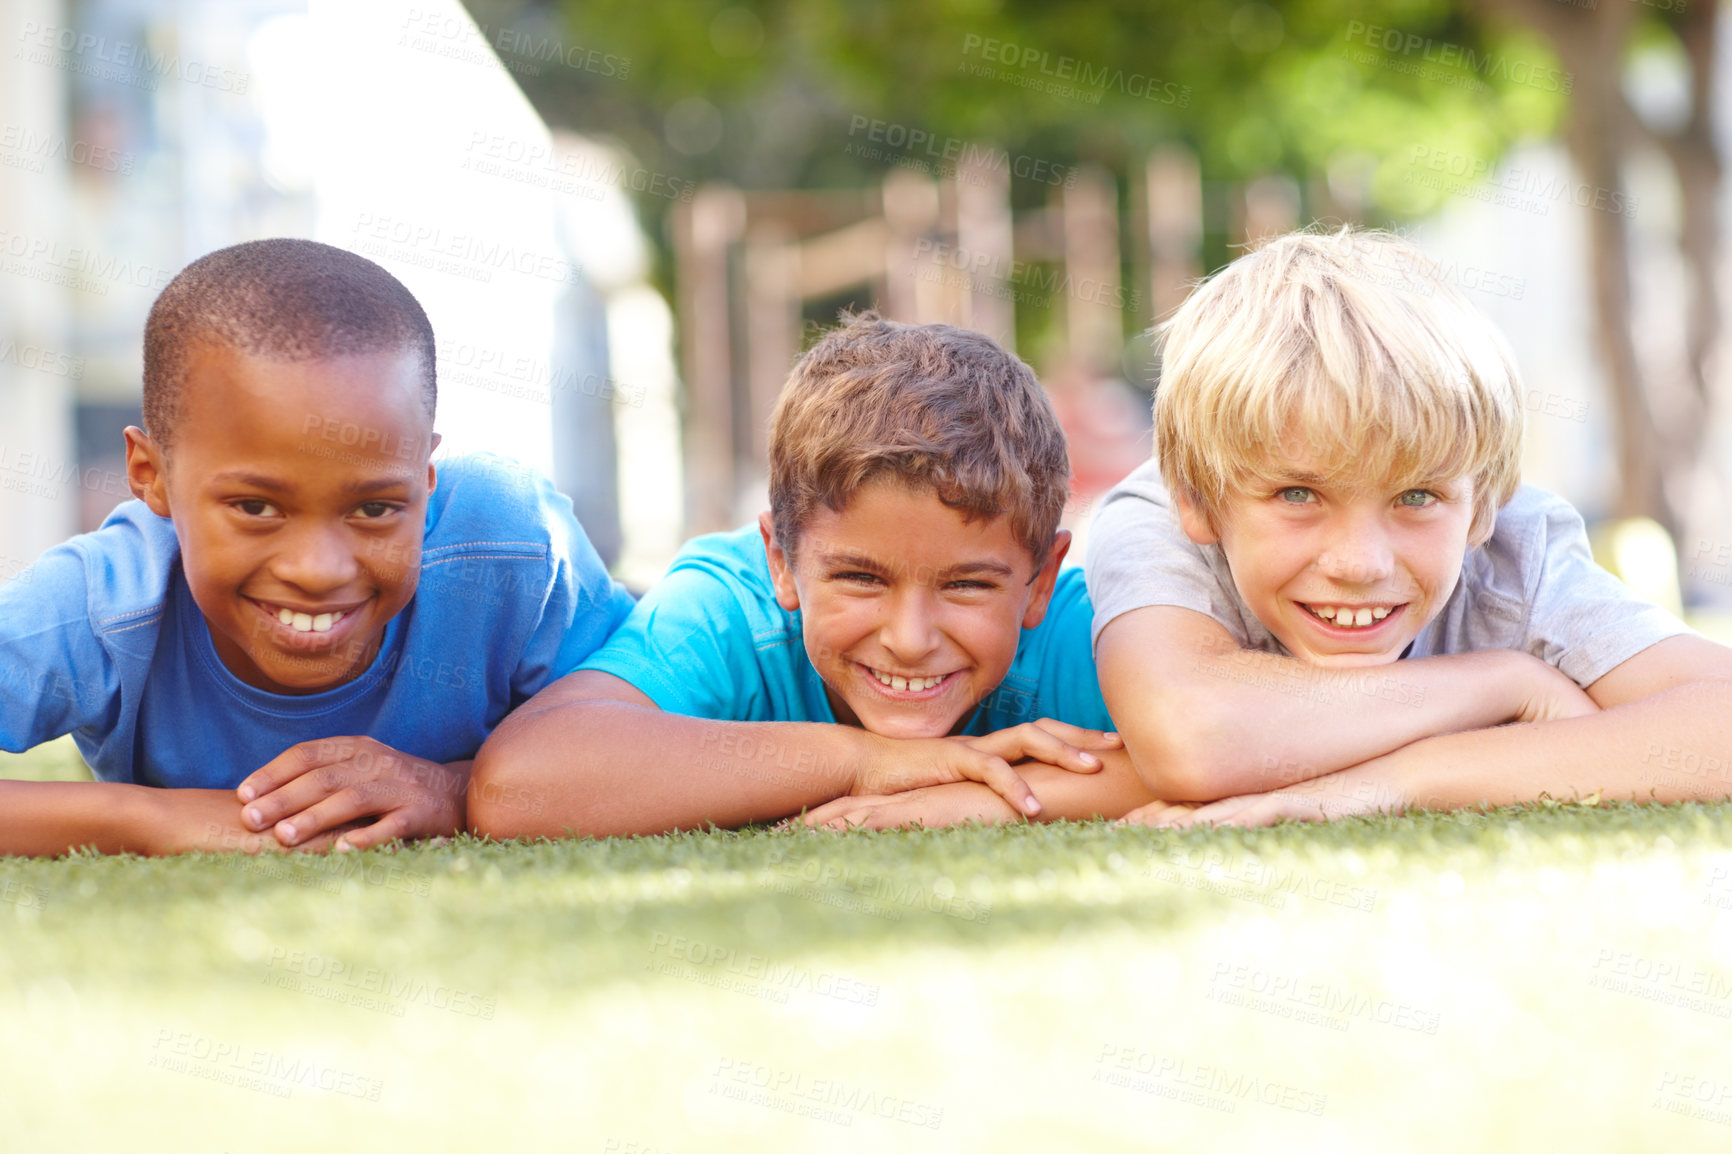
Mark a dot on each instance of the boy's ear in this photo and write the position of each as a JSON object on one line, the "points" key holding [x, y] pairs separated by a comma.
{"points": [[1045, 579], [146, 471], [432, 473], [781, 572], [1194, 521]]}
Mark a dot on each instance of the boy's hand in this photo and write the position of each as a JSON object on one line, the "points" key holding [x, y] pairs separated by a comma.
{"points": [[902, 764], [317, 786], [1347, 793], [209, 821], [930, 807]]}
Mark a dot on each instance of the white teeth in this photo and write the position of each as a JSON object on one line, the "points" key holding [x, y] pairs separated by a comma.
{"points": [[322, 623], [906, 683], [1349, 618], [303, 623], [286, 616]]}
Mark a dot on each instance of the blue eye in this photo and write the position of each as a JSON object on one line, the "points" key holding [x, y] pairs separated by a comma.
{"points": [[1295, 494]]}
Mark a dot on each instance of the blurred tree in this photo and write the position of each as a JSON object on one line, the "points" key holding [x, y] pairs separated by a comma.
{"points": [[1356, 99]]}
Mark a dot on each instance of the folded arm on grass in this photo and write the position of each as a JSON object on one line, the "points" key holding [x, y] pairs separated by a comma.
{"points": [[49, 818], [1205, 719], [591, 755], [1663, 733], [1064, 796]]}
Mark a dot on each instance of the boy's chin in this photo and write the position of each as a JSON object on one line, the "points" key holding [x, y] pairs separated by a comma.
{"points": [[907, 727]]}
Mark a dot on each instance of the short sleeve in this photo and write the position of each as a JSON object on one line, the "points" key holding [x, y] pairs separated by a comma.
{"points": [[583, 606], [1139, 555], [687, 646], [55, 675], [1583, 620]]}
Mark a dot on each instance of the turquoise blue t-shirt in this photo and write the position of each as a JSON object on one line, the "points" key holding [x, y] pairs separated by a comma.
{"points": [[710, 640], [102, 639]]}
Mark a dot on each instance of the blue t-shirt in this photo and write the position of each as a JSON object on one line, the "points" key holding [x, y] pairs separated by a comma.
{"points": [[710, 640], [101, 638]]}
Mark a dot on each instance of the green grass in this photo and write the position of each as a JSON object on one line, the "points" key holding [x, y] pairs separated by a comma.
{"points": [[1544, 979]]}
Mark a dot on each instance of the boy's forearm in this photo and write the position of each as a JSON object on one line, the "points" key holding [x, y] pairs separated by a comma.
{"points": [[604, 768], [1203, 719], [1672, 746], [46, 819], [1065, 796]]}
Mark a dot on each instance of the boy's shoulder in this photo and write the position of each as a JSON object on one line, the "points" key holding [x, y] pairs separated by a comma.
{"points": [[481, 500], [122, 569]]}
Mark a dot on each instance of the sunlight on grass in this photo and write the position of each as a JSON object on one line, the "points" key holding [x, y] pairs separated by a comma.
{"points": [[1067, 987]]}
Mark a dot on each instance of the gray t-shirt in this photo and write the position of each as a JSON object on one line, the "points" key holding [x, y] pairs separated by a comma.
{"points": [[1533, 586]]}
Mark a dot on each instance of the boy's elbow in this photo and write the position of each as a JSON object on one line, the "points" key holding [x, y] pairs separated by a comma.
{"points": [[501, 802], [1187, 755]]}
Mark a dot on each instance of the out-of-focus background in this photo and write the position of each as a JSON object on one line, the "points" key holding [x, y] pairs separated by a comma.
{"points": [[626, 220]]}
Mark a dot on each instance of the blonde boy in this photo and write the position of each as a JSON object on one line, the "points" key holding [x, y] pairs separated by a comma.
{"points": [[1335, 490]]}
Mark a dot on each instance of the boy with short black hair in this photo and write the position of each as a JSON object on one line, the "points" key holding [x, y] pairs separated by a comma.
{"points": [[1335, 490], [296, 605], [905, 584]]}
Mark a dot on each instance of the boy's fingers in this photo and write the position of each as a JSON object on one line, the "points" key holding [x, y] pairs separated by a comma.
{"points": [[358, 801], [996, 774], [297, 795], [393, 826], [1081, 736], [290, 764], [1031, 741]]}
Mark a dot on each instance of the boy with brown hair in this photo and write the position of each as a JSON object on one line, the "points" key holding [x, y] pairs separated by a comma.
{"points": [[905, 584]]}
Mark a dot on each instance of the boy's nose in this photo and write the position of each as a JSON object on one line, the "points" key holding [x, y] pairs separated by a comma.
{"points": [[317, 560], [1358, 555], [911, 633]]}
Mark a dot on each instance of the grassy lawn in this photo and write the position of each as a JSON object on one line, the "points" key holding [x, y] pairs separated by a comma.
{"points": [[1545, 979]]}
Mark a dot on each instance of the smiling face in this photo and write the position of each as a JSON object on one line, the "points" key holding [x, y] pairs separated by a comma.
{"points": [[1343, 574], [298, 491], [911, 613]]}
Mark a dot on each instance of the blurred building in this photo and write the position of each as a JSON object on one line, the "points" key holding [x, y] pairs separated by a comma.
{"points": [[140, 134]]}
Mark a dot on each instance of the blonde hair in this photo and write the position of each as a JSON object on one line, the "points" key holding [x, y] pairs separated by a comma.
{"points": [[1353, 344], [931, 405]]}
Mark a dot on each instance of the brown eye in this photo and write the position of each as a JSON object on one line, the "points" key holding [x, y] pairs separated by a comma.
{"points": [[373, 510]]}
